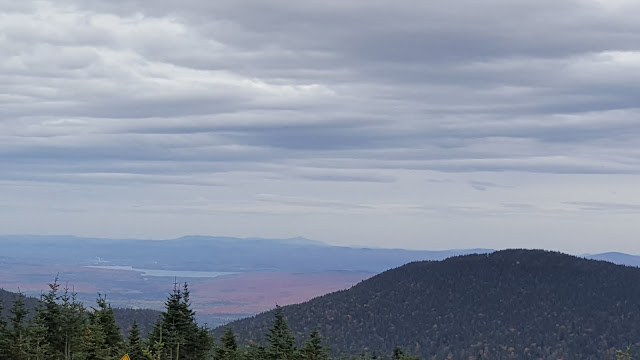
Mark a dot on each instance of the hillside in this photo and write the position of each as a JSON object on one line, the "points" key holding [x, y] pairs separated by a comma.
{"points": [[520, 304], [124, 317]]}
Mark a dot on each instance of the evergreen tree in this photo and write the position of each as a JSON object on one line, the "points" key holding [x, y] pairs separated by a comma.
{"points": [[4, 337], [281, 343], [93, 345], [72, 322], [313, 348], [205, 344], [135, 346], [39, 349], [49, 317], [196, 340], [228, 349], [255, 352], [154, 348], [18, 334], [182, 339], [398, 354], [104, 319]]}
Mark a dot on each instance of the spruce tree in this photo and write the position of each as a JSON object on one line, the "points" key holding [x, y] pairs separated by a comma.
{"points": [[314, 348], [255, 352], [154, 347], [181, 337], [281, 343], [398, 354], [173, 324], [72, 322], [228, 349], [135, 346], [103, 318], [39, 349], [18, 335], [48, 313], [4, 337], [93, 345]]}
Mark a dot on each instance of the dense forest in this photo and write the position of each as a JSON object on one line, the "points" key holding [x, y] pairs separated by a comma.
{"points": [[145, 318], [512, 304], [59, 327]]}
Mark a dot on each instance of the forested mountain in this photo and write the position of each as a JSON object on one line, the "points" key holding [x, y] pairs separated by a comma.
{"points": [[124, 317], [7, 298], [512, 304]]}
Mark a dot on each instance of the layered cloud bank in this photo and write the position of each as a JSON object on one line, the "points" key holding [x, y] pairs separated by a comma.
{"points": [[427, 124]]}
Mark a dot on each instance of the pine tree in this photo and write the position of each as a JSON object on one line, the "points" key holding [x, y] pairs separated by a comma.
{"points": [[313, 348], [281, 343], [135, 346]]}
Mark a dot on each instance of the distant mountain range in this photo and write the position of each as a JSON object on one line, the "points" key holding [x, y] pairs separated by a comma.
{"points": [[511, 304], [206, 253], [227, 254], [229, 277], [616, 258]]}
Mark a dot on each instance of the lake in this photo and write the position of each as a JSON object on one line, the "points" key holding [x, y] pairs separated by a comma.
{"points": [[166, 273]]}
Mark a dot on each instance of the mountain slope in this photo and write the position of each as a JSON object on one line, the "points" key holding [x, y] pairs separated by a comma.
{"points": [[509, 304]]}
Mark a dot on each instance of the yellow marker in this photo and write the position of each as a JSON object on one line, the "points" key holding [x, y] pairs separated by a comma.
{"points": [[125, 357]]}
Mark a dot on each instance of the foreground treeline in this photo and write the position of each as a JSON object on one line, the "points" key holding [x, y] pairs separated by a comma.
{"points": [[62, 328]]}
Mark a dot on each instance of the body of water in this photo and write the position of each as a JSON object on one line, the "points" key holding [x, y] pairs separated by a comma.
{"points": [[166, 273]]}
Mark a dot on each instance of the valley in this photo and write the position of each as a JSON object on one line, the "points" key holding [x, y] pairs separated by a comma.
{"points": [[230, 278]]}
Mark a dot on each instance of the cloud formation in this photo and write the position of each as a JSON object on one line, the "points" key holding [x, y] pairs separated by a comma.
{"points": [[133, 108]]}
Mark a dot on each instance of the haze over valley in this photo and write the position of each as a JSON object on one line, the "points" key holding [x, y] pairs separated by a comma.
{"points": [[230, 277]]}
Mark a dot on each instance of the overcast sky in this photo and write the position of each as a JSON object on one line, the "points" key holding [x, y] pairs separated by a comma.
{"points": [[418, 124]]}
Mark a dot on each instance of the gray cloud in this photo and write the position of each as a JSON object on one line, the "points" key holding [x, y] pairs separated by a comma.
{"points": [[316, 97], [606, 206]]}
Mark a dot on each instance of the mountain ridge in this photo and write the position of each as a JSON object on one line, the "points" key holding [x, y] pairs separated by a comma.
{"points": [[512, 303]]}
